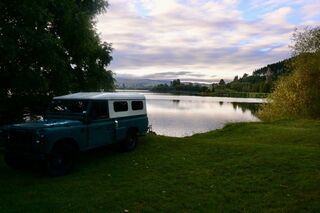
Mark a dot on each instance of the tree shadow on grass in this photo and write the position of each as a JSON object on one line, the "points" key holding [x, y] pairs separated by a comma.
{"points": [[86, 162]]}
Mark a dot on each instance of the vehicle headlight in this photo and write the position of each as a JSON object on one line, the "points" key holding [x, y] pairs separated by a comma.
{"points": [[3, 134], [40, 136]]}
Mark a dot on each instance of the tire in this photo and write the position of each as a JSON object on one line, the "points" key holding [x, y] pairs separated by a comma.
{"points": [[130, 143], [61, 160], [14, 162]]}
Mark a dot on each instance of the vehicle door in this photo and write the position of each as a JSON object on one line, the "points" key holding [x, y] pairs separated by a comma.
{"points": [[101, 128]]}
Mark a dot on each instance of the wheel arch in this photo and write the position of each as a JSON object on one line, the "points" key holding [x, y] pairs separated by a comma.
{"points": [[133, 129], [67, 140]]}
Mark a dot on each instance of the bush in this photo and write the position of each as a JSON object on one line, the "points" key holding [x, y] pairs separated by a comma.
{"points": [[296, 95]]}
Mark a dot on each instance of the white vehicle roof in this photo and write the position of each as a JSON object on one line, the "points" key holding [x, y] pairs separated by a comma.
{"points": [[102, 96]]}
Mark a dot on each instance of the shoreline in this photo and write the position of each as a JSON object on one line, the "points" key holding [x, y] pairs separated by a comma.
{"points": [[226, 94]]}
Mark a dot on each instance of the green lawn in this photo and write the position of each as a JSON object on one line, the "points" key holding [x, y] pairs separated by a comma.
{"points": [[246, 167]]}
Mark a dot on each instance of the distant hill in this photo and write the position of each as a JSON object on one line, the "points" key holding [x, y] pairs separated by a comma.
{"points": [[277, 69], [262, 79], [138, 83]]}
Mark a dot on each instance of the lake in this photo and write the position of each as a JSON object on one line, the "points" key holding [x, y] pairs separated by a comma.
{"points": [[184, 115], [181, 115]]}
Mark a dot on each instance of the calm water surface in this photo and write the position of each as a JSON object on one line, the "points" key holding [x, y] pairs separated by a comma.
{"points": [[180, 116]]}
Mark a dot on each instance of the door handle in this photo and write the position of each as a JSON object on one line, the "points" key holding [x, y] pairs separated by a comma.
{"points": [[116, 124]]}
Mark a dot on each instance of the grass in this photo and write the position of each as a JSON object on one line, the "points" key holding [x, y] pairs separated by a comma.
{"points": [[246, 167]]}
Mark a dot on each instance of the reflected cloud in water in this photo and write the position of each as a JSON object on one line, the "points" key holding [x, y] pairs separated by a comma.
{"points": [[181, 116]]}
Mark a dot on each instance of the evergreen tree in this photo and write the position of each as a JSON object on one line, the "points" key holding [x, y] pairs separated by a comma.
{"points": [[298, 95], [222, 82], [51, 48], [212, 87]]}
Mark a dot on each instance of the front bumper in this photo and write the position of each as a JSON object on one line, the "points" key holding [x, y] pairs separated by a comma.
{"points": [[22, 144], [26, 155]]}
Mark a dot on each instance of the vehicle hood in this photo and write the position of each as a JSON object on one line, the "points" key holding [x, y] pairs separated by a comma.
{"points": [[47, 123]]}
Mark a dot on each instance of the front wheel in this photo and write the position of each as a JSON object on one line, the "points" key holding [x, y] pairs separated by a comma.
{"points": [[14, 162], [130, 142], [61, 160]]}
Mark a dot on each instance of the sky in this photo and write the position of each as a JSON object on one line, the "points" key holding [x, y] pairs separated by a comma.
{"points": [[201, 41]]}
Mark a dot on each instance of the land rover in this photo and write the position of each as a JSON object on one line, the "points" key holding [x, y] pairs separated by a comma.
{"points": [[74, 123]]}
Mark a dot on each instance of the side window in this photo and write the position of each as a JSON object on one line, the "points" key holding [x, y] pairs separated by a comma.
{"points": [[120, 106], [99, 110], [136, 105]]}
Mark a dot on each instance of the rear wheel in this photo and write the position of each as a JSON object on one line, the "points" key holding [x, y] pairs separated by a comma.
{"points": [[130, 142], [61, 160]]}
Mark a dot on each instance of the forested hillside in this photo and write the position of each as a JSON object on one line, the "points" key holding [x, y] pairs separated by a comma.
{"points": [[261, 80]]}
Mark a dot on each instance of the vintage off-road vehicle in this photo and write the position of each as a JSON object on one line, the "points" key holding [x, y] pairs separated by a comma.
{"points": [[77, 122]]}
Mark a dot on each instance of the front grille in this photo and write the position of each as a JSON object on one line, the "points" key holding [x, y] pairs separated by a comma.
{"points": [[19, 140]]}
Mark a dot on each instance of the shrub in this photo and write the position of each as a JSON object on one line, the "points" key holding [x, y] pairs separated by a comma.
{"points": [[296, 95]]}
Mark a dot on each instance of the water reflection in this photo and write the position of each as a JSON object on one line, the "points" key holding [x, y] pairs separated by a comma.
{"points": [[176, 102], [180, 116], [252, 107]]}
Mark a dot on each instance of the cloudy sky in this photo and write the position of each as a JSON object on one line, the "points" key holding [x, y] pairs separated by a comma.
{"points": [[201, 40]]}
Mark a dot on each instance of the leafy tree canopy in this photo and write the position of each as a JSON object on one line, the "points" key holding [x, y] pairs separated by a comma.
{"points": [[177, 86], [306, 41], [298, 95], [222, 82], [175, 83], [50, 47]]}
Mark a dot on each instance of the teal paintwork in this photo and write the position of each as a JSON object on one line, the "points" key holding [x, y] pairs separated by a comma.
{"points": [[80, 130], [139, 122], [101, 132], [47, 123]]}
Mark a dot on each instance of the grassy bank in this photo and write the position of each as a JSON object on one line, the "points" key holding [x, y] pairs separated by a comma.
{"points": [[247, 167]]}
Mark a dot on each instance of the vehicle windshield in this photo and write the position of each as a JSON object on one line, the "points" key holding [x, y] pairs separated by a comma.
{"points": [[68, 107]]}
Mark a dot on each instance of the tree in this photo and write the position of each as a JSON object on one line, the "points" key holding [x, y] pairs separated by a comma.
{"points": [[236, 78], [204, 89], [245, 75], [212, 87], [50, 48], [306, 41], [298, 94], [175, 83], [222, 82]]}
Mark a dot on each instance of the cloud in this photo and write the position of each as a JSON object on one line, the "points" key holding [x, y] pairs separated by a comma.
{"points": [[311, 11], [279, 16], [173, 75], [205, 38], [169, 76]]}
